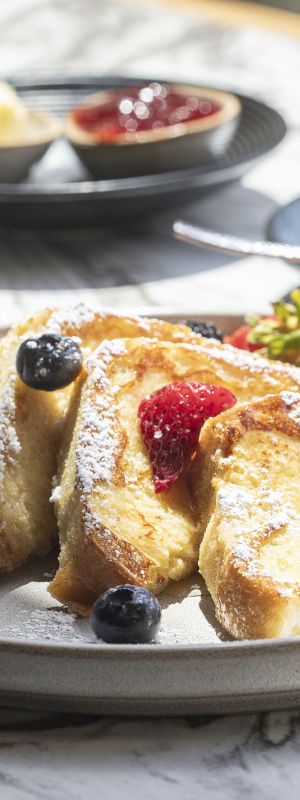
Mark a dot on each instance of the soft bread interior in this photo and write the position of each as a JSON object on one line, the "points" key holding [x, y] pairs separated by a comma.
{"points": [[31, 423], [247, 499], [113, 524], [29, 440], [113, 527]]}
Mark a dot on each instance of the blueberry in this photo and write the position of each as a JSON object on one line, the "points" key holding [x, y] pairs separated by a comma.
{"points": [[48, 362], [126, 614], [206, 329]]}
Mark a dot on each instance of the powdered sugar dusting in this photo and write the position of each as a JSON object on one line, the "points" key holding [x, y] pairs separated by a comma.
{"points": [[70, 317], [295, 415], [237, 504], [92, 522], [292, 401], [252, 362], [95, 453], [242, 551], [79, 315], [9, 443], [270, 497], [56, 495], [289, 398], [52, 625], [279, 520], [233, 501]]}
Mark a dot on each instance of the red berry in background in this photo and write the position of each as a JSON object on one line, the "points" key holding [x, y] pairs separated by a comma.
{"points": [[171, 420], [239, 338]]}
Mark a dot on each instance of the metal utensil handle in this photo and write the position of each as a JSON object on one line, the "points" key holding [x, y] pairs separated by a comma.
{"points": [[233, 244]]}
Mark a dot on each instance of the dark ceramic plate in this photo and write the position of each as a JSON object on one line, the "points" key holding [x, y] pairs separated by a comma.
{"points": [[59, 193]]}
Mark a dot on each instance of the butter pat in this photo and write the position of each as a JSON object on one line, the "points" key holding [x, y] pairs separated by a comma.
{"points": [[13, 116]]}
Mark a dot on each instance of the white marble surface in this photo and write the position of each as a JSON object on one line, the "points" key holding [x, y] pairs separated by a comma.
{"points": [[251, 755]]}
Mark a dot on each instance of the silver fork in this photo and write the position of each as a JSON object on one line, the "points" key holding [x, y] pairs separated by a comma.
{"points": [[235, 245]]}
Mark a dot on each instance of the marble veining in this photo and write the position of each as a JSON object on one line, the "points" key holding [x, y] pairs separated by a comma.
{"points": [[249, 755]]}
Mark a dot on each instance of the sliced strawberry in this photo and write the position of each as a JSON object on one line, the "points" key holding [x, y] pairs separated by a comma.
{"points": [[239, 338], [171, 419]]}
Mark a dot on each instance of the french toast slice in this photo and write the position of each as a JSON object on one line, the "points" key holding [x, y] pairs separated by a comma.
{"points": [[113, 527], [31, 423], [246, 491]]}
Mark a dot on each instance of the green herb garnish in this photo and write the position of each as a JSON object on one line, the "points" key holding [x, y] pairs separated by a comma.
{"points": [[280, 336]]}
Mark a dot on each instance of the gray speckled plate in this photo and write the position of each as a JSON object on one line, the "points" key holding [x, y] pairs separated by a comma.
{"points": [[51, 660]]}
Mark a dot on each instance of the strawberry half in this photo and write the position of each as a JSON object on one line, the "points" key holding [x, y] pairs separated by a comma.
{"points": [[239, 339], [171, 419]]}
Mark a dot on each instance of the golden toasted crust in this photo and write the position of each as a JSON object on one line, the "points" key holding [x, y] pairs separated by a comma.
{"points": [[98, 513], [113, 528], [28, 446], [103, 561], [245, 481], [29, 429]]}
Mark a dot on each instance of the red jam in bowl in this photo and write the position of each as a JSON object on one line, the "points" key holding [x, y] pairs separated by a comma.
{"points": [[141, 108]]}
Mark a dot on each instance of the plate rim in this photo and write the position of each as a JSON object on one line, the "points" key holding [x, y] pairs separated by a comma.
{"points": [[130, 651]]}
